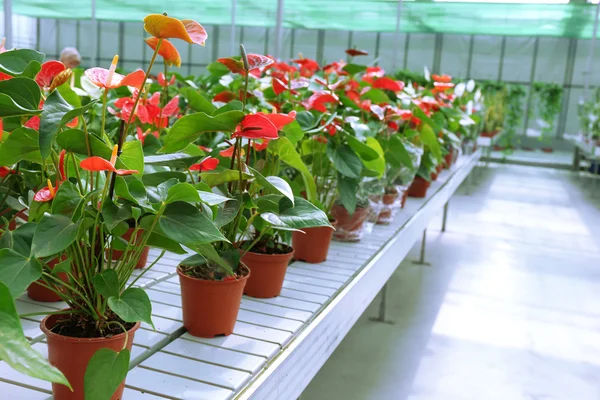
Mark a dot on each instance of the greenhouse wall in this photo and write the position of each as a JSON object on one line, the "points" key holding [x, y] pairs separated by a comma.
{"points": [[513, 59]]}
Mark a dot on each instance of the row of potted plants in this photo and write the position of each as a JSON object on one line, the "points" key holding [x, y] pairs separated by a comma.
{"points": [[233, 166]]}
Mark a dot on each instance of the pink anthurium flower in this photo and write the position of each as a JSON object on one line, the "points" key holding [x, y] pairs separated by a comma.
{"points": [[109, 79]]}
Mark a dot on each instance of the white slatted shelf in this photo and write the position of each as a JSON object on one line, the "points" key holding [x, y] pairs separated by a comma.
{"points": [[278, 344], [15, 392]]}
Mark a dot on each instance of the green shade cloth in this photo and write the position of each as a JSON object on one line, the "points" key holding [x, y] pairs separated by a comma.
{"points": [[561, 20]]}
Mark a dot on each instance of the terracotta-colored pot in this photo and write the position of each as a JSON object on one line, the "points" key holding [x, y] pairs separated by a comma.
{"points": [[210, 308], [489, 134], [268, 272], [312, 246], [349, 226], [418, 188], [547, 149], [116, 254], [37, 292], [71, 355], [448, 159], [434, 176], [386, 212]]}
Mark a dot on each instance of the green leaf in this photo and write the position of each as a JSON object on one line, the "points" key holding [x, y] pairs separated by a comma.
{"points": [[56, 113], [287, 153], [19, 96], [207, 251], [74, 141], [306, 120], [132, 306], [154, 179], [107, 284], [114, 214], [212, 199], [377, 96], [348, 188], [198, 102], [182, 192], [185, 224], [234, 105], [354, 69], [228, 212], [132, 157], [377, 165], [22, 238], [364, 151], [425, 119], [18, 271], [274, 184], [189, 128], [213, 179], [21, 62], [345, 161], [16, 350], [429, 139], [68, 200], [21, 144], [217, 69], [53, 234], [62, 267], [300, 214], [69, 94], [293, 131], [175, 160], [104, 373], [397, 152]]}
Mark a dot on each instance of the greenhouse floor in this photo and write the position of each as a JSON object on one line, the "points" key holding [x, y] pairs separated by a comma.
{"points": [[556, 159], [506, 310]]}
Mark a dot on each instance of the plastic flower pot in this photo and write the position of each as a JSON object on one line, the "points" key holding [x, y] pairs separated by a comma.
{"points": [[210, 307], [418, 188], [116, 254], [268, 273], [449, 159], [385, 214], [349, 226], [72, 354], [404, 197], [37, 292], [312, 246]]}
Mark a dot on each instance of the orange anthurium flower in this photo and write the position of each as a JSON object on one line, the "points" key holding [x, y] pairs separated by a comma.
{"points": [[388, 84], [442, 86], [96, 164], [162, 80], [225, 96], [45, 194], [49, 70], [229, 152], [441, 78], [207, 164], [280, 120], [261, 146], [108, 79], [357, 52], [164, 27], [256, 126], [167, 51]]}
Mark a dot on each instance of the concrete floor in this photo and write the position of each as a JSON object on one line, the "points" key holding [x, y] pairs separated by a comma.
{"points": [[509, 308]]}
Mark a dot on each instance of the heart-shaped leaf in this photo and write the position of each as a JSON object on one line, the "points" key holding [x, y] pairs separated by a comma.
{"points": [[74, 141], [19, 96], [53, 234], [107, 284], [345, 161], [18, 271], [21, 62], [105, 372], [132, 306], [185, 224], [21, 144]]}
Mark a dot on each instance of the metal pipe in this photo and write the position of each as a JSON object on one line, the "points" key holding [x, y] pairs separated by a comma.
{"points": [[94, 57], [232, 47], [445, 217], [397, 36], [278, 29], [8, 33], [591, 56]]}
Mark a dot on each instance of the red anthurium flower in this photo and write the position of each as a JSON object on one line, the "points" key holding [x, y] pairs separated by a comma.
{"points": [[4, 77], [95, 164], [33, 123], [260, 146], [280, 120], [108, 79], [50, 69], [365, 105], [256, 126], [388, 84], [405, 114], [442, 87], [258, 61], [415, 121], [357, 52], [171, 108], [225, 96], [45, 194], [279, 86], [164, 27], [284, 67], [335, 67], [320, 139], [166, 51], [318, 100], [308, 64], [353, 95], [5, 171], [235, 66], [393, 126], [207, 164], [205, 149], [229, 152], [441, 78], [141, 135], [162, 81], [61, 165]]}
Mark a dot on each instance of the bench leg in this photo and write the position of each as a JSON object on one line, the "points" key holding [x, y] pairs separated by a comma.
{"points": [[421, 260], [382, 305], [576, 159], [444, 217]]}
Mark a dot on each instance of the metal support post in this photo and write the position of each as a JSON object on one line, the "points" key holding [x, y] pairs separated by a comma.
{"points": [[278, 29], [8, 31], [382, 306], [232, 41], [445, 216], [397, 36], [590, 60], [576, 158], [421, 260], [95, 47]]}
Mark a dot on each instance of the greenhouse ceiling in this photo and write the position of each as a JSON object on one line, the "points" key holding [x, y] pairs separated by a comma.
{"points": [[532, 18]]}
